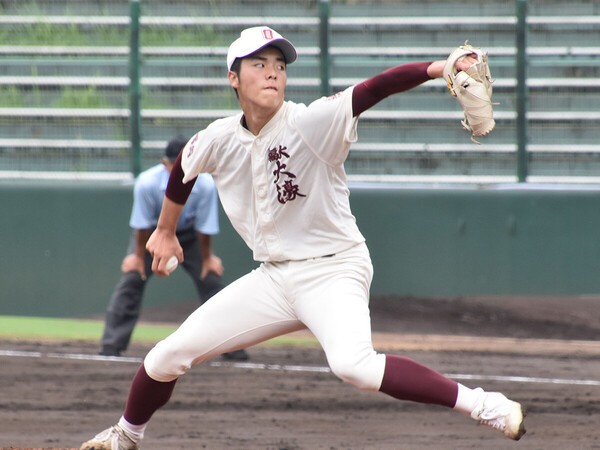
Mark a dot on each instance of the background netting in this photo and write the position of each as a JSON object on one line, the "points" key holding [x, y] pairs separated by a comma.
{"points": [[64, 82]]}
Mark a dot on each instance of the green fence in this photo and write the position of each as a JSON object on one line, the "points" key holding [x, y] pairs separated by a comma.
{"points": [[84, 92], [63, 242]]}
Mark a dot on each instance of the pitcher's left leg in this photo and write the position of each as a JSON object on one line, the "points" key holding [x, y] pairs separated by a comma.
{"points": [[332, 299], [336, 310]]}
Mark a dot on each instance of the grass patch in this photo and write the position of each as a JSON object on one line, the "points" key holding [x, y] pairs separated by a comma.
{"points": [[108, 36], [11, 97], [56, 329], [81, 98], [43, 328]]}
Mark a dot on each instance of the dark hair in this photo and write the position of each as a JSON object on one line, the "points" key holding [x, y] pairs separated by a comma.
{"points": [[174, 147], [236, 67]]}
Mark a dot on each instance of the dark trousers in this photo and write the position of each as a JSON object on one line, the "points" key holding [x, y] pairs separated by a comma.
{"points": [[125, 303]]}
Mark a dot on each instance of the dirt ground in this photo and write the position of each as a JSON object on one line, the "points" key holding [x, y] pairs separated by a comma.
{"points": [[540, 351]]}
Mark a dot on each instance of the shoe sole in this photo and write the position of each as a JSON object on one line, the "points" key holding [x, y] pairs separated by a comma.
{"points": [[521, 431]]}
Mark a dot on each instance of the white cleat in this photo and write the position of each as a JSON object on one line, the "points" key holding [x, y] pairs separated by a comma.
{"points": [[497, 411], [113, 438]]}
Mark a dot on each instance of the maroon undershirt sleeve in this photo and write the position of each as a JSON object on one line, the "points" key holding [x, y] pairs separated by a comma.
{"points": [[394, 80], [177, 190]]}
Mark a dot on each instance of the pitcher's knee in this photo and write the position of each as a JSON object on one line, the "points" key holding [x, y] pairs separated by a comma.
{"points": [[363, 372], [166, 363]]}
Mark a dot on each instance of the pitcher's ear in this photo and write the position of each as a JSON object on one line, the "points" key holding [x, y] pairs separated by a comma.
{"points": [[234, 79]]}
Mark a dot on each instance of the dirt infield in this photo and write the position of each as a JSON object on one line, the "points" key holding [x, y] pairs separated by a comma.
{"points": [[55, 395]]}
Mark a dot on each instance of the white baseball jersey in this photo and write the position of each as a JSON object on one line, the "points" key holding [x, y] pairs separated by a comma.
{"points": [[284, 190]]}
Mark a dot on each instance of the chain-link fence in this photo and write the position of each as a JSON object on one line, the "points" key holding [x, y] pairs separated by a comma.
{"points": [[66, 82]]}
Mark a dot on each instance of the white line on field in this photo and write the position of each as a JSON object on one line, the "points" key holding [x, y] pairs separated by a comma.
{"points": [[297, 368], [515, 379]]}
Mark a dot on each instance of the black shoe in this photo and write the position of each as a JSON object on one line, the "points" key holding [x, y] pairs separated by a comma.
{"points": [[238, 355], [108, 350]]}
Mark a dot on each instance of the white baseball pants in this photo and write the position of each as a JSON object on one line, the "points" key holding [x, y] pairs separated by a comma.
{"points": [[328, 295]]}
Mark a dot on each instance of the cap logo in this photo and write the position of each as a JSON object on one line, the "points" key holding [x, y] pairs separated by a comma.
{"points": [[268, 34]]}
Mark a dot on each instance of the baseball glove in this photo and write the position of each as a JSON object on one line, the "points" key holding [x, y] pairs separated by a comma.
{"points": [[473, 90]]}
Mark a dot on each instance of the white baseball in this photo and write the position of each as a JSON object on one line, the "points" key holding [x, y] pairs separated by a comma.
{"points": [[172, 264]]}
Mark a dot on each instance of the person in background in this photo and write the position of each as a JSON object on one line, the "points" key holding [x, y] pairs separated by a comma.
{"points": [[198, 223]]}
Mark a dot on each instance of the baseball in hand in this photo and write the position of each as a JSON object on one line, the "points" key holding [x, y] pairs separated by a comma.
{"points": [[172, 264]]}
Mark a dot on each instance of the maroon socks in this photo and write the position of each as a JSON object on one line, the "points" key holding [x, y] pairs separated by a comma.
{"points": [[406, 379], [146, 396]]}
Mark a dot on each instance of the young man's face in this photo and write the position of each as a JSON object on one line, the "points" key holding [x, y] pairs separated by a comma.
{"points": [[262, 79]]}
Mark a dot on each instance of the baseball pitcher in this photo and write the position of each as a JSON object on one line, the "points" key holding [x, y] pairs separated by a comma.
{"points": [[279, 170]]}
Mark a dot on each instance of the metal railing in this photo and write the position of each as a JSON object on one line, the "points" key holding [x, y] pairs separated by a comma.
{"points": [[327, 58]]}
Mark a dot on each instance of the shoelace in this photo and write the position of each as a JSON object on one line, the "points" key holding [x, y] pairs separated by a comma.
{"points": [[494, 423], [493, 418], [116, 433]]}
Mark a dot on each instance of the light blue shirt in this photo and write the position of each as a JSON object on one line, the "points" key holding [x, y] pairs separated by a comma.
{"points": [[200, 211]]}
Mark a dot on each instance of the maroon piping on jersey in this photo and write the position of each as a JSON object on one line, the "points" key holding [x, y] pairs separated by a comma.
{"points": [[394, 80]]}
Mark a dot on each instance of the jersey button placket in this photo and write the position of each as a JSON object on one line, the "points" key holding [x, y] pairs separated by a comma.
{"points": [[260, 171]]}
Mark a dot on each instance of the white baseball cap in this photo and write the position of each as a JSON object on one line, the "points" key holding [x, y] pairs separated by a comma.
{"points": [[253, 39]]}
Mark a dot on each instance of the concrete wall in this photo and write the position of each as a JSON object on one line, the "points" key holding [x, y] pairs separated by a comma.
{"points": [[62, 244]]}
